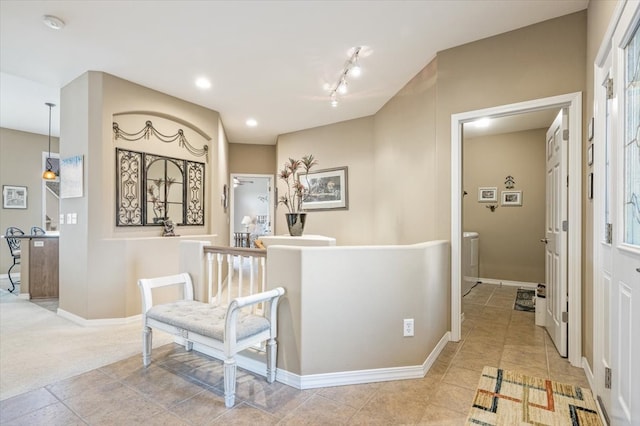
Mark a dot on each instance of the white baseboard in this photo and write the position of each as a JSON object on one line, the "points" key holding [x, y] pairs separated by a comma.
{"points": [[587, 371], [25, 296], [342, 378], [509, 283], [98, 322]]}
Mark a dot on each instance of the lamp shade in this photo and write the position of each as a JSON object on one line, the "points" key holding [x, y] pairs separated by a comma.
{"points": [[246, 220], [49, 175]]}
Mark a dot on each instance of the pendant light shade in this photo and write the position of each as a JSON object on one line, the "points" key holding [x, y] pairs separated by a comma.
{"points": [[49, 174]]}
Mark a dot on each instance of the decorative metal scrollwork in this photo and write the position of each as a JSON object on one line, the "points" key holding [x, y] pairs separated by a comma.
{"points": [[148, 130], [128, 188], [153, 188]]}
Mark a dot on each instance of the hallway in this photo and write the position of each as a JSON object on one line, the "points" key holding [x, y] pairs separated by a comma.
{"points": [[182, 388]]}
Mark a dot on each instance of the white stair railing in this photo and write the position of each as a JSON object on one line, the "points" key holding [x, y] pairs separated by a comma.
{"points": [[233, 284]]}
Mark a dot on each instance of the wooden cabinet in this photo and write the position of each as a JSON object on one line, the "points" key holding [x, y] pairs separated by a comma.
{"points": [[39, 267]]}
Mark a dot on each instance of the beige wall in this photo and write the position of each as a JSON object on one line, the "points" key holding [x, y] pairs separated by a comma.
{"points": [[258, 159], [509, 236], [21, 165], [410, 142], [348, 143], [97, 277]]}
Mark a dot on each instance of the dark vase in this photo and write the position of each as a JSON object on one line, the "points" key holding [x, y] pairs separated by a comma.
{"points": [[295, 222]]}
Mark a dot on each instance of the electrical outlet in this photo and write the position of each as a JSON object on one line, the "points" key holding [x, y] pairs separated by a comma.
{"points": [[408, 327]]}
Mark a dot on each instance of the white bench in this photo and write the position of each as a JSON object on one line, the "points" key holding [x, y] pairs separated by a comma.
{"points": [[224, 328]]}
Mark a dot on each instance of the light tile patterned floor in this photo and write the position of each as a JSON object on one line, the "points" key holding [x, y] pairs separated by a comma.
{"points": [[181, 388]]}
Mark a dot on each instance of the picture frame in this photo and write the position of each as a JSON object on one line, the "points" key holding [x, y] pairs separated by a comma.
{"points": [[590, 155], [511, 198], [14, 197], [326, 189], [71, 176], [487, 194]]}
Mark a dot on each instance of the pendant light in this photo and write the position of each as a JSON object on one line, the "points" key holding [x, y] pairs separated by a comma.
{"points": [[49, 174]]}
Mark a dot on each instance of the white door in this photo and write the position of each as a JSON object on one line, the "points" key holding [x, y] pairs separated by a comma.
{"points": [[555, 232], [617, 224], [625, 215]]}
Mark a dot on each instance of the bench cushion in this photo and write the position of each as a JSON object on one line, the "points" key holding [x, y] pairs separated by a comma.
{"points": [[206, 319]]}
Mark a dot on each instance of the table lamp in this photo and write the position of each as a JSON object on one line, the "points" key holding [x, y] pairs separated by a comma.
{"points": [[246, 221]]}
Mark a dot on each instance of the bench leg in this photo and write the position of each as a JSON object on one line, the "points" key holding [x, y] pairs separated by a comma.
{"points": [[147, 336], [272, 354], [229, 382]]}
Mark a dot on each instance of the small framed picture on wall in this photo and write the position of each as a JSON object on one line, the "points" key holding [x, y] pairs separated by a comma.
{"points": [[487, 194], [14, 197], [511, 198]]}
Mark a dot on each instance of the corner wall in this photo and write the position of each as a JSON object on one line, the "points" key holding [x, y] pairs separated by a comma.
{"points": [[97, 277], [342, 144]]}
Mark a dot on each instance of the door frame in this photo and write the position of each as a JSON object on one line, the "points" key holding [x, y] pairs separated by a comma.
{"points": [[572, 101]]}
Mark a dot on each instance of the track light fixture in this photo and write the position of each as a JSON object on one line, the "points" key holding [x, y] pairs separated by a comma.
{"points": [[49, 174], [351, 69]]}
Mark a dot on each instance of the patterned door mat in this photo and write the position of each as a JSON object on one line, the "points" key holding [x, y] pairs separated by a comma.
{"points": [[510, 398], [525, 300]]}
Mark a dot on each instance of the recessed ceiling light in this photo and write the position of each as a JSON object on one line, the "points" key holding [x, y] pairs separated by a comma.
{"points": [[251, 122], [203, 83], [53, 22]]}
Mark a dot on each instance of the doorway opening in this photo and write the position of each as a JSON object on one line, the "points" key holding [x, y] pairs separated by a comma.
{"points": [[251, 201], [573, 103]]}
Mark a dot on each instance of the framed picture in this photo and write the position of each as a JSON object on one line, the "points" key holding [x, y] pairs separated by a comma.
{"points": [[487, 194], [511, 198], [71, 174], [590, 155], [14, 197], [325, 189]]}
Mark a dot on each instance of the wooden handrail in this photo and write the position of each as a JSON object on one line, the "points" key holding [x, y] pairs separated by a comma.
{"points": [[236, 251]]}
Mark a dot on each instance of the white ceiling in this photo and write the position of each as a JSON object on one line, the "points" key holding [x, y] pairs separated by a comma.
{"points": [[266, 59], [513, 123]]}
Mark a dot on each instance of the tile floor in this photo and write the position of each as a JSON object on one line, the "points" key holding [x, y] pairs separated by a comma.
{"points": [[181, 388]]}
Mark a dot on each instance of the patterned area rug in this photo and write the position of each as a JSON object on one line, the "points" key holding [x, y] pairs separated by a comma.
{"points": [[510, 398], [524, 300]]}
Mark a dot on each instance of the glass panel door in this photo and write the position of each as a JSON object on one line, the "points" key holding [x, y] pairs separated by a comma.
{"points": [[631, 189]]}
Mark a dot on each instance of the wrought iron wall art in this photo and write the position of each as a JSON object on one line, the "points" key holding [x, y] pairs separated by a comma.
{"points": [[151, 189], [149, 130]]}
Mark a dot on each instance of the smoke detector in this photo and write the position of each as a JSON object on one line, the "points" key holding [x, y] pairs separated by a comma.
{"points": [[53, 22]]}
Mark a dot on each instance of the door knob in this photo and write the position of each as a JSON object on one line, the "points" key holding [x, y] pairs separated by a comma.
{"points": [[544, 240]]}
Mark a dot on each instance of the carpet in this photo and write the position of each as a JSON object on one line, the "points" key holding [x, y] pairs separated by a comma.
{"points": [[524, 300], [510, 398]]}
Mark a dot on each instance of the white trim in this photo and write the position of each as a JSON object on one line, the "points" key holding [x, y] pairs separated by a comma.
{"points": [[574, 256], [98, 322], [605, 47], [342, 378], [494, 281], [24, 296], [589, 374]]}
